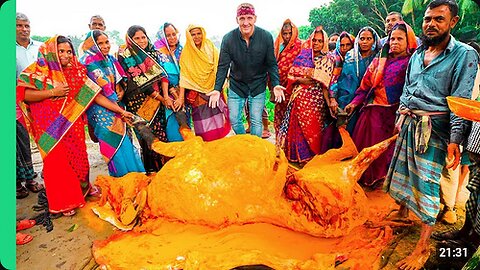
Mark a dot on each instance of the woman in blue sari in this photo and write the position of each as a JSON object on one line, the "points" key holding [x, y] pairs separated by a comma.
{"points": [[169, 49], [110, 129], [367, 44]]}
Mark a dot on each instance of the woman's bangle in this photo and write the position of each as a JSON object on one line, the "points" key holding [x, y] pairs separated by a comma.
{"points": [[52, 93], [156, 95]]}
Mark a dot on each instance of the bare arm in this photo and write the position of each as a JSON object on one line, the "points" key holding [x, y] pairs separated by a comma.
{"points": [[32, 95]]}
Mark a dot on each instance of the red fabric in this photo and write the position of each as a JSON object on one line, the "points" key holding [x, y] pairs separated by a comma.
{"points": [[285, 59], [308, 112], [66, 167]]}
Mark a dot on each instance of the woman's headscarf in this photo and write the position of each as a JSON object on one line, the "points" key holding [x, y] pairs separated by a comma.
{"points": [[45, 74], [286, 56], [382, 59], [198, 66], [304, 63], [293, 40], [106, 72], [168, 59], [139, 64], [356, 47], [337, 44]]}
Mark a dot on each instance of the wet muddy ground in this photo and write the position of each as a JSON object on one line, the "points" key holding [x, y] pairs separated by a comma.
{"points": [[68, 245]]}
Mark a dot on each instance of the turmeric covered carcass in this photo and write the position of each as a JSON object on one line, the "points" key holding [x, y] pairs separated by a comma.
{"points": [[242, 179]]}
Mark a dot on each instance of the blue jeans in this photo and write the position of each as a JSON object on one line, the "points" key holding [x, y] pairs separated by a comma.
{"points": [[235, 108]]}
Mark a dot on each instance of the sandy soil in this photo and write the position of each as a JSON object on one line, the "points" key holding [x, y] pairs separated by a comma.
{"points": [[62, 249]]}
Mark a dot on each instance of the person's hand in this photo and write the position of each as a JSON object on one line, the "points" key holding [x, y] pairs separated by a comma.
{"points": [[177, 104], [453, 156], [61, 90], [168, 102], [350, 108], [127, 116], [278, 93], [214, 97], [333, 106]]}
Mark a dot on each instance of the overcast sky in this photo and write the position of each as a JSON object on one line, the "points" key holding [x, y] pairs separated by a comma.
{"points": [[49, 17]]}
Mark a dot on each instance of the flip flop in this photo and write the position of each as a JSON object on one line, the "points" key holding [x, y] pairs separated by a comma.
{"points": [[22, 192], [69, 213], [34, 186], [94, 191], [23, 238], [25, 224], [266, 134]]}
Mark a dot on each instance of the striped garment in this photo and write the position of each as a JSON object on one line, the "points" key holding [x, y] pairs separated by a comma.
{"points": [[473, 203], [413, 179], [473, 143]]}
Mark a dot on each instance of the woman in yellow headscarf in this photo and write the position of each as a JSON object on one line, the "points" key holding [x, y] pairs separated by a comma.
{"points": [[198, 66]]}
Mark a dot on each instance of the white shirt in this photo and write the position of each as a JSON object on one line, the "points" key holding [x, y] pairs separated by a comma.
{"points": [[25, 57]]}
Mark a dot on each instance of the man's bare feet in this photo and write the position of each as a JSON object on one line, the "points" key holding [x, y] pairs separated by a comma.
{"points": [[420, 254], [416, 260]]}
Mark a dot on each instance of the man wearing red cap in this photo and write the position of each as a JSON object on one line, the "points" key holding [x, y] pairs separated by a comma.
{"points": [[248, 52]]}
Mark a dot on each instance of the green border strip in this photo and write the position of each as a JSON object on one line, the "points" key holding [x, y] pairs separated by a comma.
{"points": [[7, 136]]}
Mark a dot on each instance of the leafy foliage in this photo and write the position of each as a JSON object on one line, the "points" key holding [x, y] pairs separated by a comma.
{"points": [[40, 38], [351, 15]]}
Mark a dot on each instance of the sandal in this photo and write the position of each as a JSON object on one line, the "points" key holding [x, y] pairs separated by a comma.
{"points": [[25, 224], [69, 213], [94, 191], [23, 238], [22, 192], [34, 186], [266, 134]]}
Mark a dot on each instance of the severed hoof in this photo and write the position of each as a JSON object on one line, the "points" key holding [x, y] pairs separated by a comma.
{"points": [[131, 210]]}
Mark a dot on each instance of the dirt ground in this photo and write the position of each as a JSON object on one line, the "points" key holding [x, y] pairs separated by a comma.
{"points": [[68, 245]]}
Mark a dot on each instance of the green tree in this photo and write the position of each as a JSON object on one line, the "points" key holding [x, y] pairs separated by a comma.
{"points": [[115, 36], [468, 28], [351, 15], [76, 41], [40, 38]]}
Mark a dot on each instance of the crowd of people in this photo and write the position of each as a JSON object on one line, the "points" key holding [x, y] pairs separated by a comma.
{"points": [[396, 84]]}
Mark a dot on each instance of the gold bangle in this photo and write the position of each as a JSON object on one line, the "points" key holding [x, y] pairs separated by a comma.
{"points": [[52, 94], [156, 95]]}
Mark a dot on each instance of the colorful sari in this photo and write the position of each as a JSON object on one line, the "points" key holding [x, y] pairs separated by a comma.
{"points": [[285, 56], [198, 71], [380, 91], [353, 69], [144, 74], [337, 55], [170, 62], [115, 145], [58, 125], [301, 130]]}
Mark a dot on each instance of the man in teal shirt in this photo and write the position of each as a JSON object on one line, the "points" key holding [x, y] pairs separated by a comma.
{"points": [[429, 134]]}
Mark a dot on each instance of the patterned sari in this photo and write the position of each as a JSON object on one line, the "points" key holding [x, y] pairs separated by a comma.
{"points": [[115, 145], [380, 91], [198, 71], [351, 74], [58, 125], [301, 130], [170, 62], [285, 56], [144, 74]]}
